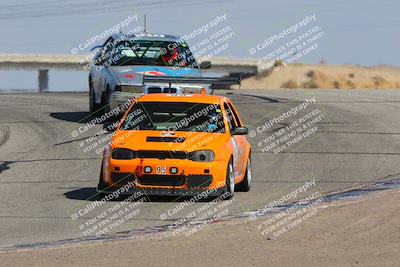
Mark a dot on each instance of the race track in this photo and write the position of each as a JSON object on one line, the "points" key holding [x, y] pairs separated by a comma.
{"points": [[45, 176]]}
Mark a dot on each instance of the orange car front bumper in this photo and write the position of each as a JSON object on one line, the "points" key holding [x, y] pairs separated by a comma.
{"points": [[165, 176]]}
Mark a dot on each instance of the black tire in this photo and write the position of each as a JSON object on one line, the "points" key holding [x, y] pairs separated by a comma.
{"points": [[106, 106], [101, 185], [230, 181], [106, 100], [93, 106], [244, 186]]}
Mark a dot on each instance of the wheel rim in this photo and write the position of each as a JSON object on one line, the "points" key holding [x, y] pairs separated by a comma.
{"points": [[231, 180], [249, 171]]}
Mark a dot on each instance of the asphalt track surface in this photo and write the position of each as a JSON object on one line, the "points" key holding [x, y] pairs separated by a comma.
{"points": [[45, 176]]}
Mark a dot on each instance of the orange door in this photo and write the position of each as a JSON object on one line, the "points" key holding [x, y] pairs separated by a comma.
{"points": [[237, 142]]}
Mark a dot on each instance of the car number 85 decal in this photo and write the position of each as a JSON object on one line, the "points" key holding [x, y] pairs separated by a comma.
{"points": [[161, 170]]}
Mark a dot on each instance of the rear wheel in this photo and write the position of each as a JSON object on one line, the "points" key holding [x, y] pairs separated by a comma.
{"points": [[244, 185], [230, 181]]}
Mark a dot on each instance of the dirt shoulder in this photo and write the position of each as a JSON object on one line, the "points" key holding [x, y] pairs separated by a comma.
{"points": [[357, 233], [326, 77]]}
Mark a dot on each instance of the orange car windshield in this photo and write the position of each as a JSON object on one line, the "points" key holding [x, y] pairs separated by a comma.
{"points": [[175, 116]]}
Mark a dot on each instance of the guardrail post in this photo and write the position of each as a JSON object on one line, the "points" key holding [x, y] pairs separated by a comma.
{"points": [[43, 80]]}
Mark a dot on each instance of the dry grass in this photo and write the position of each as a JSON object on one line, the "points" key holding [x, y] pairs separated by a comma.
{"points": [[327, 76]]}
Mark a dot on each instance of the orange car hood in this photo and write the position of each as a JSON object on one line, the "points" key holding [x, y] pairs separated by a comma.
{"points": [[187, 141]]}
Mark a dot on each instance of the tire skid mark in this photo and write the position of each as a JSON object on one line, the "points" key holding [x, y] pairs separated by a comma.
{"points": [[4, 134]]}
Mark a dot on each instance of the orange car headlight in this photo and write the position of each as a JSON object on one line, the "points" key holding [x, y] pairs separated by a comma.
{"points": [[202, 156]]}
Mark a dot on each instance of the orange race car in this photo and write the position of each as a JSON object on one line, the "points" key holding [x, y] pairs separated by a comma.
{"points": [[178, 144]]}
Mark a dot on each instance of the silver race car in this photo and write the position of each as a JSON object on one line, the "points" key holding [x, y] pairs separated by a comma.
{"points": [[130, 65]]}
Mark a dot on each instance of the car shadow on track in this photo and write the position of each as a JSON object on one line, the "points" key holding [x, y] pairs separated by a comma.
{"points": [[90, 194], [85, 193], [85, 117], [76, 116]]}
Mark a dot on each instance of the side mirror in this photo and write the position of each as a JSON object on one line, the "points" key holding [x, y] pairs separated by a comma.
{"points": [[241, 131], [205, 65]]}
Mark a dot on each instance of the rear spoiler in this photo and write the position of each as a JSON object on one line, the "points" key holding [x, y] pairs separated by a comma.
{"points": [[213, 81]]}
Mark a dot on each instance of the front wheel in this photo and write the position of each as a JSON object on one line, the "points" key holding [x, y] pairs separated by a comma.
{"points": [[244, 185], [101, 185], [107, 108], [92, 103]]}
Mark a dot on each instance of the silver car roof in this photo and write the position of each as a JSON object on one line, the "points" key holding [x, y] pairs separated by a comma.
{"points": [[147, 36]]}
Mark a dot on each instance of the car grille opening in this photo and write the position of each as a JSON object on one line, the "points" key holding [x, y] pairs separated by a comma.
{"points": [[130, 89], [157, 139], [162, 180], [148, 154]]}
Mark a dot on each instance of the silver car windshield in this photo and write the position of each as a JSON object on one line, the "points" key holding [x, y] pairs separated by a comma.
{"points": [[145, 52]]}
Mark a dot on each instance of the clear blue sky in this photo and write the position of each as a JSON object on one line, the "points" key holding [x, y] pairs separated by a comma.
{"points": [[365, 32]]}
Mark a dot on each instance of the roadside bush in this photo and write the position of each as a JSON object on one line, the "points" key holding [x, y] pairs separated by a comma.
{"points": [[290, 84]]}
